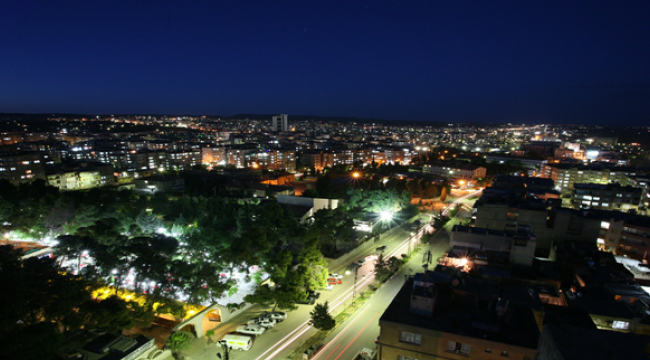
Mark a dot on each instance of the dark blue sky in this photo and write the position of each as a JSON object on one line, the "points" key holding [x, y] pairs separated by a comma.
{"points": [[514, 61]]}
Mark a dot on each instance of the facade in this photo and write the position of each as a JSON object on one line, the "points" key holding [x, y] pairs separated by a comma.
{"points": [[565, 174], [23, 167], [453, 169], [471, 243], [607, 197], [82, 176], [436, 316], [280, 123]]}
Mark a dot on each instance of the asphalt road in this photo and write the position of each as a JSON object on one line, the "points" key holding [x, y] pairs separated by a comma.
{"points": [[358, 331]]}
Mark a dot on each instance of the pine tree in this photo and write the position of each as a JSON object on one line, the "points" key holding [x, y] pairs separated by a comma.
{"points": [[321, 319]]}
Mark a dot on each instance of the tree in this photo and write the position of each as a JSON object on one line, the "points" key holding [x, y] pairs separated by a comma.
{"points": [[111, 314], [178, 342], [443, 194], [321, 319], [382, 272]]}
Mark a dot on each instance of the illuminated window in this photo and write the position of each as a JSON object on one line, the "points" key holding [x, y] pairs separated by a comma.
{"points": [[622, 325], [458, 348], [410, 338]]}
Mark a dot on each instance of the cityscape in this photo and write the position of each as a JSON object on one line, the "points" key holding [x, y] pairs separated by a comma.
{"points": [[210, 202]]}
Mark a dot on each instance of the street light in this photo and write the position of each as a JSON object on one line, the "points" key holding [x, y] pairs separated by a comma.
{"points": [[385, 215], [355, 175]]}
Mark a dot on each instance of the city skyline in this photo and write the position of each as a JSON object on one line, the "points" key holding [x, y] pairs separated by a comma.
{"points": [[551, 62]]}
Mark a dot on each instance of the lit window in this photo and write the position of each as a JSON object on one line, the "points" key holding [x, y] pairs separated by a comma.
{"points": [[622, 325], [410, 338], [458, 348]]}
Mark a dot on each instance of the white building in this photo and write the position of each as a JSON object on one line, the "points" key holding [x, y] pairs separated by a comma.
{"points": [[283, 119]]}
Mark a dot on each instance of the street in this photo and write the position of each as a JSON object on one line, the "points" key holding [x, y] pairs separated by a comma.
{"points": [[362, 328]]}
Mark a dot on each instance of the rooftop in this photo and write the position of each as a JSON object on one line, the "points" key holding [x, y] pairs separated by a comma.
{"points": [[468, 307]]}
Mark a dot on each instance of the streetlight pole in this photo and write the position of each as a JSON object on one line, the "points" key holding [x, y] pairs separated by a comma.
{"points": [[224, 345], [354, 287]]}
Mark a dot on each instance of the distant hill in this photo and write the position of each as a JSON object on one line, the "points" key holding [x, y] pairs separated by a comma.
{"points": [[341, 119]]}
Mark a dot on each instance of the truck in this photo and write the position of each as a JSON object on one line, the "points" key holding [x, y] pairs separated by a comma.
{"points": [[251, 329]]}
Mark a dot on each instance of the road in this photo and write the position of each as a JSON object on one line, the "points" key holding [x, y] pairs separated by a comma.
{"points": [[361, 329]]}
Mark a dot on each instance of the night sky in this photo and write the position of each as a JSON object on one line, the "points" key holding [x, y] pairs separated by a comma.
{"points": [[450, 61]]}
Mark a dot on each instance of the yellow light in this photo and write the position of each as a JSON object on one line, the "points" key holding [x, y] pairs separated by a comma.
{"points": [[356, 175], [461, 182]]}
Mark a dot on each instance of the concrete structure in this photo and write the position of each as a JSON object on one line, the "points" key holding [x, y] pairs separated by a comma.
{"points": [[23, 167], [565, 342], [80, 176], [607, 197], [442, 316], [454, 169], [304, 208], [566, 174], [470, 243], [97, 346], [280, 123]]}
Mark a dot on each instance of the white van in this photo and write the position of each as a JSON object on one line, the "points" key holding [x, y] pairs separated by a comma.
{"points": [[238, 342]]}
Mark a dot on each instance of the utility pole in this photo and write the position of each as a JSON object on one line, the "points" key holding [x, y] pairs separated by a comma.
{"points": [[354, 287]]}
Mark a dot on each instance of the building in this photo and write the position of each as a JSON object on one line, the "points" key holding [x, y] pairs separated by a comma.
{"points": [[566, 174], [84, 344], [280, 123], [23, 167], [304, 208], [454, 169], [565, 342], [438, 315], [607, 197], [81, 175], [488, 246]]}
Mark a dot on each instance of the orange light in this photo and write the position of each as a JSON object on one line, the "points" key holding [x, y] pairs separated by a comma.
{"points": [[356, 175]]}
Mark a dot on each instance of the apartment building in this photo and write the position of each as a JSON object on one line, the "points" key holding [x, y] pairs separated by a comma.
{"points": [[454, 169], [607, 196], [23, 167], [80, 176], [566, 174], [441, 316], [214, 155], [491, 246]]}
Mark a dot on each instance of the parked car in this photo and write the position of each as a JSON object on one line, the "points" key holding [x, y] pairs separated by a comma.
{"points": [[312, 296], [335, 275], [251, 329], [361, 262], [278, 316], [382, 248], [334, 281], [329, 287], [263, 321]]}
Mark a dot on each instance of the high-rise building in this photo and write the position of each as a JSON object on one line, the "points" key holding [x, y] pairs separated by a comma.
{"points": [[283, 119]]}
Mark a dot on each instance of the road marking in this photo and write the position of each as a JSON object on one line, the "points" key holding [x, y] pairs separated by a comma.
{"points": [[359, 333], [337, 347]]}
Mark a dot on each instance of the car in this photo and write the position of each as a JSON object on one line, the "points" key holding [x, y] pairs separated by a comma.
{"points": [[312, 296], [276, 315], [329, 287], [263, 321], [251, 329], [336, 276], [382, 248], [361, 262], [334, 281]]}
